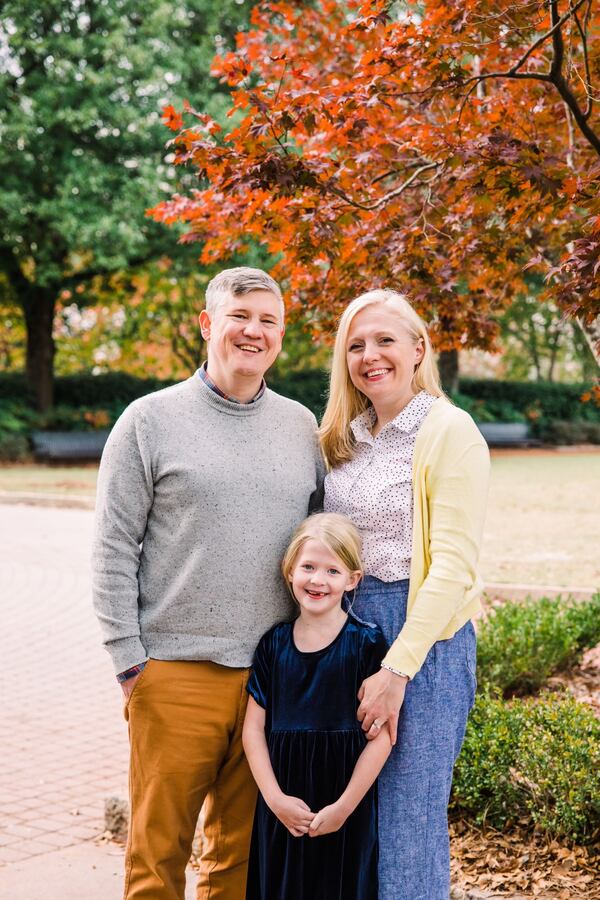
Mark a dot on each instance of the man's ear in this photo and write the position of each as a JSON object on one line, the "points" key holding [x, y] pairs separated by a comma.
{"points": [[205, 323]]}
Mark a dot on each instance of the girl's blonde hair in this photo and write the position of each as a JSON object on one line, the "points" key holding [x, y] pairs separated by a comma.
{"points": [[338, 534], [346, 401]]}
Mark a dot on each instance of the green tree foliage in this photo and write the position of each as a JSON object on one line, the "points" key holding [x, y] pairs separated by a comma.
{"points": [[540, 342], [81, 143]]}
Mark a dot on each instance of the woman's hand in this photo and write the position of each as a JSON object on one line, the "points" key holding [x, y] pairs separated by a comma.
{"points": [[293, 813], [381, 697], [329, 819]]}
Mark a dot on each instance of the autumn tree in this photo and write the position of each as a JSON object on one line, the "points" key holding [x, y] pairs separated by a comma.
{"points": [[442, 147], [81, 144]]}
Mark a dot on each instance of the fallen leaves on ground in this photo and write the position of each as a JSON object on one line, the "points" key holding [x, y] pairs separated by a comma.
{"points": [[516, 862], [583, 681]]}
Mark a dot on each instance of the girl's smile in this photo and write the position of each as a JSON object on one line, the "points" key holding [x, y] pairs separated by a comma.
{"points": [[319, 580]]}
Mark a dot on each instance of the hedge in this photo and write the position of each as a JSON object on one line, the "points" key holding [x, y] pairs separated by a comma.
{"points": [[551, 400], [521, 644], [535, 761], [555, 411], [534, 401]]}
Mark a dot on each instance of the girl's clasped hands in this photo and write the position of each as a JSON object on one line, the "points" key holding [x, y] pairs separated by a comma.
{"points": [[299, 819]]}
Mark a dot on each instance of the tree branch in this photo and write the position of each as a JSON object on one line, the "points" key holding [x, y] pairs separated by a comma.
{"points": [[368, 207], [586, 64], [558, 80], [556, 26], [554, 76], [513, 72]]}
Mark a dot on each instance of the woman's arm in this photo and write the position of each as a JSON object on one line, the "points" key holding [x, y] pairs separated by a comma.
{"points": [[291, 811], [368, 766], [456, 501]]}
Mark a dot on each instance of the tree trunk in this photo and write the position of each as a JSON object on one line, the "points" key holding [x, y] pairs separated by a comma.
{"points": [[448, 366], [39, 318], [592, 335]]}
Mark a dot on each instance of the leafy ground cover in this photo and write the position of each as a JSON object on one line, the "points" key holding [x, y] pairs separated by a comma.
{"points": [[521, 645]]}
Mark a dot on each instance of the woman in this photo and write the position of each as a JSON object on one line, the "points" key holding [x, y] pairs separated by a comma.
{"points": [[411, 471]]}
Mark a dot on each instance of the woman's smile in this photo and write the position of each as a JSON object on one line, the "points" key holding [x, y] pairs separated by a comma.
{"points": [[382, 357]]}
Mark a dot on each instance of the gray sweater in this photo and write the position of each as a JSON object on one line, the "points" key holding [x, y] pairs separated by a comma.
{"points": [[197, 499]]}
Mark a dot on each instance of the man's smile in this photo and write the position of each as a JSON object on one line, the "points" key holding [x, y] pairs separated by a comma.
{"points": [[249, 348]]}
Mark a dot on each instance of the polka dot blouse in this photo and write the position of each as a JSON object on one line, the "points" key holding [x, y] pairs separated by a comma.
{"points": [[374, 489]]}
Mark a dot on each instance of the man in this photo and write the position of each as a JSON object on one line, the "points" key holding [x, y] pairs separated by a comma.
{"points": [[200, 488]]}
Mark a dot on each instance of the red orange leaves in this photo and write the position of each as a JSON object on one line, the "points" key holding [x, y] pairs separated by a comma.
{"points": [[172, 118], [366, 152]]}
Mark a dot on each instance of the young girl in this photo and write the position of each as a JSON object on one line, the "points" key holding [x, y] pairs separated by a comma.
{"points": [[315, 829]]}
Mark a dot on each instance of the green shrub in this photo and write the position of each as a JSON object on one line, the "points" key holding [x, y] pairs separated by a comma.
{"points": [[495, 410], [101, 391], [15, 418], [13, 446], [487, 400], [114, 390], [520, 644], [13, 386], [559, 431], [308, 387], [536, 761], [539, 401], [77, 418]]}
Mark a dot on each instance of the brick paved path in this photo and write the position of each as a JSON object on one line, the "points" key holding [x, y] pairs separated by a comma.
{"points": [[62, 734]]}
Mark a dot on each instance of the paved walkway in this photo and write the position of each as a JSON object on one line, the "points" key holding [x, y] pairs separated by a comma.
{"points": [[64, 740], [62, 733]]}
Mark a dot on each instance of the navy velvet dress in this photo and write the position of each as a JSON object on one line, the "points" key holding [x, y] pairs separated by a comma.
{"points": [[314, 741]]}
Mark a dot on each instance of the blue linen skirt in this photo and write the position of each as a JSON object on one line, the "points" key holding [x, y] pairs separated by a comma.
{"points": [[414, 786]]}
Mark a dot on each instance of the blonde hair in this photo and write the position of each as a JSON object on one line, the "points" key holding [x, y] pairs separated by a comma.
{"points": [[345, 400], [336, 532]]}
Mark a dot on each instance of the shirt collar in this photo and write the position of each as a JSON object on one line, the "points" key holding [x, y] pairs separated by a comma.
{"points": [[406, 421], [211, 384], [361, 426]]}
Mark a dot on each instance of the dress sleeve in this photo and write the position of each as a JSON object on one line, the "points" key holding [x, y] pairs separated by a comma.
{"points": [[259, 683], [373, 649]]}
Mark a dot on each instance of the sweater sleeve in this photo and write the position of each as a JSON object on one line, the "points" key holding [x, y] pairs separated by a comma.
{"points": [[124, 500], [457, 494]]}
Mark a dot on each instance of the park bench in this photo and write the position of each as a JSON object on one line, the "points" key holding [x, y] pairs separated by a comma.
{"points": [[50, 446], [507, 434]]}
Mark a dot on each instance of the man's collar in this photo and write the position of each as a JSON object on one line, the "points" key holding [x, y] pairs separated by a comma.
{"points": [[214, 387]]}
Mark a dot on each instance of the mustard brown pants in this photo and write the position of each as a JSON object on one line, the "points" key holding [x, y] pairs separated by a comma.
{"points": [[185, 733]]}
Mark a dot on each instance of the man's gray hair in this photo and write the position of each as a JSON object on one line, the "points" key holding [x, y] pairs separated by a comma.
{"points": [[237, 282]]}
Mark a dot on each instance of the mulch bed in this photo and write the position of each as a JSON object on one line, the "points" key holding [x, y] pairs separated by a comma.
{"points": [[520, 864]]}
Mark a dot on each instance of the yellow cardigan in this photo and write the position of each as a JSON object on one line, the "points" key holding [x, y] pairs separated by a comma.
{"points": [[450, 481]]}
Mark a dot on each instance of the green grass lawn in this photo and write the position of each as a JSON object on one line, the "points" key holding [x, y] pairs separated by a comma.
{"points": [[542, 526]]}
